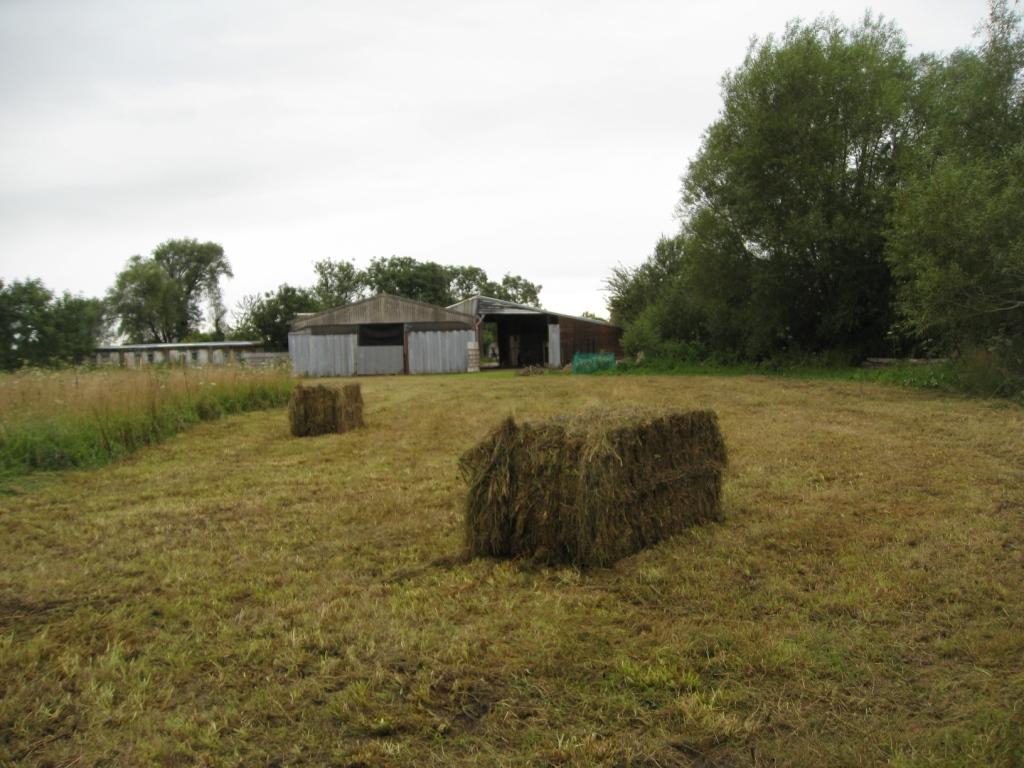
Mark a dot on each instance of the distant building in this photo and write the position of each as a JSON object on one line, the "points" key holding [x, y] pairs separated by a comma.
{"points": [[532, 336], [388, 335], [381, 335], [184, 353]]}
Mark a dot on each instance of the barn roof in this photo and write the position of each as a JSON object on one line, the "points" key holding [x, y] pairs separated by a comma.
{"points": [[383, 308], [486, 305]]}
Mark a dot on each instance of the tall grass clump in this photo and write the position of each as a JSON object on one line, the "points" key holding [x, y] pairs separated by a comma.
{"points": [[52, 420]]}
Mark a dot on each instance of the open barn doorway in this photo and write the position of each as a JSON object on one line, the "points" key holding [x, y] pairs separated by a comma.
{"points": [[522, 340], [529, 336], [490, 356], [381, 349]]}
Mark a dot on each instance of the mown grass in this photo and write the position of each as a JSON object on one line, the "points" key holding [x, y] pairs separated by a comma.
{"points": [[235, 596], [53, 420]]}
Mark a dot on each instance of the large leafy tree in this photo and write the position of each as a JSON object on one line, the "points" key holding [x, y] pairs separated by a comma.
{"points": [[146, 302], [23, 307], [443, 284], [842, 183], [632, 289], [464, 282], [795, 182], [39, 328], [196, 268], [77, 323], [267, 317], [404, 276], [514, 288], [338, 283], [783, 210], [957, 237], [162, 298]]}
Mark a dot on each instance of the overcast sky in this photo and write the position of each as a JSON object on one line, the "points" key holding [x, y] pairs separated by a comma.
{"points": [[540, 138]]}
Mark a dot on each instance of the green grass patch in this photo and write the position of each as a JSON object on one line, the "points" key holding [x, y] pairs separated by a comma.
{"points": [[943, 377]]}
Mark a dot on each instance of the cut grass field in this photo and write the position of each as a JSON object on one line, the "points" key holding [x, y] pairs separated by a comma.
{"points": [[236, 596]]}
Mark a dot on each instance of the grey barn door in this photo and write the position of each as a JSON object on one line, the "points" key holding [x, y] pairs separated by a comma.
{"points": [[379, 360]]}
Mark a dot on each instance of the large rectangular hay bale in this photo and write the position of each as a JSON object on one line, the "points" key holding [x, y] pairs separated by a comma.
{"points": [[320, 410], [592, 489], [350, 413]]}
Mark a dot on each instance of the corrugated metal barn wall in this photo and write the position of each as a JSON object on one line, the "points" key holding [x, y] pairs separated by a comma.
{"points": [[371, 361], [340, 354], [439, 351], [323, 355], [554, 345]]}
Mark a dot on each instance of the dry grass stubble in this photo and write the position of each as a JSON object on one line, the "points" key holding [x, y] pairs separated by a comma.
{"points": [[234, 596]]}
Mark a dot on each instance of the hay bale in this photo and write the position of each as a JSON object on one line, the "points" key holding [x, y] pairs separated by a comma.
{"points": [[593, 489], [350, 408], [321, 410]]}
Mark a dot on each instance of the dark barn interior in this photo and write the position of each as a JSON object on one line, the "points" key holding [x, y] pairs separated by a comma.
{"points": [[522, 339], [529, 336]]}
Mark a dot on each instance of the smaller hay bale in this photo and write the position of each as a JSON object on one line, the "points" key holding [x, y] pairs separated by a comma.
{"points": [[320, 410], [592, 489]]}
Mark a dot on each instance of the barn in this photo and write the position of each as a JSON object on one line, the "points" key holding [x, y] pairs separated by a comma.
{"points": [[532, 336], [381, 335]]}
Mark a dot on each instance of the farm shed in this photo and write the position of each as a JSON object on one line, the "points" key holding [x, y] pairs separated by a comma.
{"points": [[533, 336], [381, 335], [184, 353]]}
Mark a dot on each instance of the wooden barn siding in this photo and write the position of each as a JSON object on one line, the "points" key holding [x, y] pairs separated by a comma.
{"points": [[581, 336], [439, 351]]}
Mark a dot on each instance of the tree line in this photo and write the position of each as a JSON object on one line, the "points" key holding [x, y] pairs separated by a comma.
{"points": [[849, 201], [40, 327], [267, 316], [174, 295]]}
